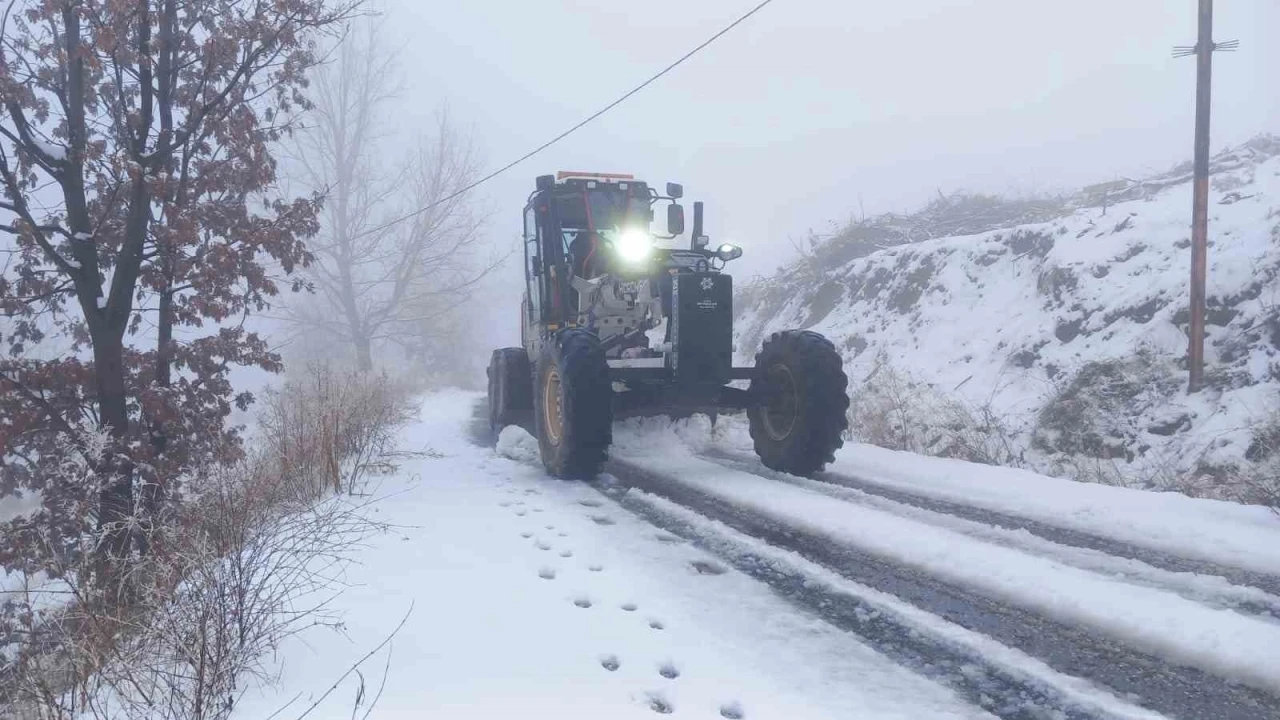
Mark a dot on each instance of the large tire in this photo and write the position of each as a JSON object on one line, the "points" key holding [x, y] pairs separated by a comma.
{"points": [[573, 405], [798, 412], [510, 388]]}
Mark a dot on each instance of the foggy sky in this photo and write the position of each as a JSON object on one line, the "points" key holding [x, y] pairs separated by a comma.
{"points": [[814, 111]]}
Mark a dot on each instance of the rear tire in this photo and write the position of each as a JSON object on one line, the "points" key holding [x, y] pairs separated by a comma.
{"points": [[573, 405], [799, 402], [510, 389]]}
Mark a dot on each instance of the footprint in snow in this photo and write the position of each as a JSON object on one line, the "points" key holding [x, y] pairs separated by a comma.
{"points": [[542, 545], [562, 534], [656, 624], [526, 534], [602, 520], [589, 503], [530, 491], [582, 601], [610, 662], [505, 503], [547, 573], [537, 509], [595, 568], [520, 513], [732, 710], [566, 553], [660, 704], [707, 567], [629, 607], [669, 671]]}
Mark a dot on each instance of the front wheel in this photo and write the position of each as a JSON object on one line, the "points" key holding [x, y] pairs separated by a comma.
{"points": [[573, 405], [797, 414]]}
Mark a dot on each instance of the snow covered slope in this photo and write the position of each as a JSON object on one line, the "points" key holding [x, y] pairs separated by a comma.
{"points": [[1058, 326]]}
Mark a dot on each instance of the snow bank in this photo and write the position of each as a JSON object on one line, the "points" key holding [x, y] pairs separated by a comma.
{"points": [[1222, 532], [514, 443]]}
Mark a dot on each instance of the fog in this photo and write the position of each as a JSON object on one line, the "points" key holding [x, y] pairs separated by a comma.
{"points": [[812, 112], [809, 113]]}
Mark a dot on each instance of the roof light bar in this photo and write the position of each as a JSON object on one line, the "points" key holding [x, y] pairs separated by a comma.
{"points": [[607, 177]]}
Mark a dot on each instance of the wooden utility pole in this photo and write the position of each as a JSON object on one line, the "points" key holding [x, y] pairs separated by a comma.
{"points": [[1203, 51], [1200, 197]]}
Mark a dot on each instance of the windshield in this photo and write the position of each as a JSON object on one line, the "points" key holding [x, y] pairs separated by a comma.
{"points": [[602, 209], [611, 211], [607, 210]]}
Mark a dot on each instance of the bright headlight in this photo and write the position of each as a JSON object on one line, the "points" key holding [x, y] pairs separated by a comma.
{"points": [[728, 251], [633, 245]]}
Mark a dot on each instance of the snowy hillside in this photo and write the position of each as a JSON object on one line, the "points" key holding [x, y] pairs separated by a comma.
{"points": [[1051, 334]]}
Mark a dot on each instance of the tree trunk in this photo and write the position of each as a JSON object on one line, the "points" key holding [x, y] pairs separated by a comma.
{"points": [[364, 353], [153, 492], [115, 498]]}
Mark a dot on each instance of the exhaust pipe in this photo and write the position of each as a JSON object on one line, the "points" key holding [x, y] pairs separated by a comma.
{"points": [[697, 241]]}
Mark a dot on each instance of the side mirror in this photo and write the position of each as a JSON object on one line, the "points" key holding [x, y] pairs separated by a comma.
{"points": [[546, 182], [727, 252], [675, 190], [675, 219]]}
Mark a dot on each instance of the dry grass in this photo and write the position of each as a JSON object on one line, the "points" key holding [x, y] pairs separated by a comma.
{"points": [[327, 430], [895, 411], [251, 556], [1070, 437]]}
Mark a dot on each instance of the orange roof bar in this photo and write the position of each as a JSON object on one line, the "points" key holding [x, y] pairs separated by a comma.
{"points": [[607, 176]]}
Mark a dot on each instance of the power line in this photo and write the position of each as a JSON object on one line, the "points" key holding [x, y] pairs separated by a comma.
{"points": [[568, 132]]}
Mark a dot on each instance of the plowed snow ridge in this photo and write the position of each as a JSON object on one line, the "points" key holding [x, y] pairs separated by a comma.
{"points": [[1215, 640]]}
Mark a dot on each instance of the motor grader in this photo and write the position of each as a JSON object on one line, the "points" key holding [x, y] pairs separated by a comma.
{"points": [[613, 325]]}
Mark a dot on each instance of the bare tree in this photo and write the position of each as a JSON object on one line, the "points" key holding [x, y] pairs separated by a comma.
{"points": [[379, 282]]}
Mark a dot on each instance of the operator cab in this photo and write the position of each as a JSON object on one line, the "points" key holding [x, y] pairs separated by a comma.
{"points": [[584, 231], [586, 234]]}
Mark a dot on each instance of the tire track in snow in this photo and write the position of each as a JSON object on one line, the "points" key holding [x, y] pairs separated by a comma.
{"points": [[1171, 562], [1154, 683], [1007, 688], [1212, 589], [1001, 689]]}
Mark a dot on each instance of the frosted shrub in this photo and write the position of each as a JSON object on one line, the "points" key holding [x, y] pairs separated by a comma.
{"points": [[328, 428], [893, 410]]}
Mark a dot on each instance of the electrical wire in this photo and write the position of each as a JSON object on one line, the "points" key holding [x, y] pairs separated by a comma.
{"points": [[566, 133]]}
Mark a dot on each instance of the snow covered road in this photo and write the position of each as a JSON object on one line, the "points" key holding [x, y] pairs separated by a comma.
{"points": [[689, 581], [535, 598]]}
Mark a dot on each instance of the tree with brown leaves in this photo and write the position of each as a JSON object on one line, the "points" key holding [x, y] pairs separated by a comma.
{"points": [[139, 191]]}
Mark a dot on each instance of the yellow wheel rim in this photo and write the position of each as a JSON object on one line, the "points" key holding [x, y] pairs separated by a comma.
{"points": [[552, 408], [782, 412]]}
